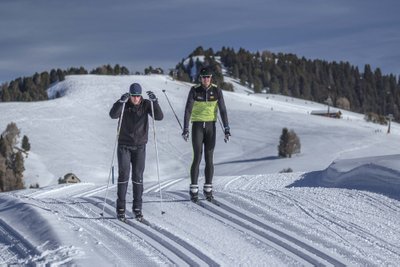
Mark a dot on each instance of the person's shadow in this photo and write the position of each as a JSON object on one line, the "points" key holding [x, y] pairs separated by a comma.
{"points": [[248, 160]]}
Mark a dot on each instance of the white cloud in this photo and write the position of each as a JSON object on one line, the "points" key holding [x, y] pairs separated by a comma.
{"points": [[169, 30]]}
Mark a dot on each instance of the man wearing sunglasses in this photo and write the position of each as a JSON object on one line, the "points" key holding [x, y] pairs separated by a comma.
{"points": [[132, 139], [202, 104]]}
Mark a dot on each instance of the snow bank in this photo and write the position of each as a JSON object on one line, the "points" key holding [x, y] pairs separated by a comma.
{"points": [[375, 174]]}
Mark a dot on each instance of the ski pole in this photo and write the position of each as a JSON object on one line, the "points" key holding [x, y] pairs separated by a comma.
{"points": [[113, 156], [172, 109], [157, 161]]}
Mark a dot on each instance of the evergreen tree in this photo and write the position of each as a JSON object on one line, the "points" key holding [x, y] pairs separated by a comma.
{"points": [[124, 70], [289, 143], [25, 143], [53, 76], [3, 146], [148, 70], [199, 51], [283, 141], [117, 70], [1, 181], [11, 134], [293, 146], [11, 162], [18, 168]]}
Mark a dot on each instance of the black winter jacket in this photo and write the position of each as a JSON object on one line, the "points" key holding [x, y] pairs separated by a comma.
{"points": [[135, 121]]}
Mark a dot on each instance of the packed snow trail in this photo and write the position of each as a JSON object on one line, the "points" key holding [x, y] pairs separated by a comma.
{"points": [[177, 250]]}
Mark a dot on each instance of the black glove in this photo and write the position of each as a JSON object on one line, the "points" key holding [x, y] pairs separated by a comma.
{"points": [[125, 97], [152, 96], [185, 135], [227, 134]]}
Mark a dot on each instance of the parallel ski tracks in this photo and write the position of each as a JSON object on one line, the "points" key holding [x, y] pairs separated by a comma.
{"points": [[350, 227], [16, 247], [238, 218], [176, 249], [295, 248], [82, 211], [83, 214], [335, 225], [179, 251]]}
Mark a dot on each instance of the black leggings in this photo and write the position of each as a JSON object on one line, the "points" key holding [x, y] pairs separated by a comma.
{"points": [[203, 133]]}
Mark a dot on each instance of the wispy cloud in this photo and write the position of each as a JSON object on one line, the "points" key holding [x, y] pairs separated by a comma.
{"points": [[141, 33]]}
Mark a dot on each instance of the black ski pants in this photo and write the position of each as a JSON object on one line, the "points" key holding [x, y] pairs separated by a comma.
{"points": [[203, 134], [127, 156]]}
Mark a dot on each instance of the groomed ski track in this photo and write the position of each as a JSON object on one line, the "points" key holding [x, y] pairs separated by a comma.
{"points": [[172, 239]]}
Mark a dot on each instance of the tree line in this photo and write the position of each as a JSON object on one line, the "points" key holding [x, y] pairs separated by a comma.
{"points": [[34, 88], [366, 91], [12, 158]]}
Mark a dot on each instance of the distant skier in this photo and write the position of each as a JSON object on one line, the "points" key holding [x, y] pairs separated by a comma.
{"points": [[132, 141], [201, 108]]}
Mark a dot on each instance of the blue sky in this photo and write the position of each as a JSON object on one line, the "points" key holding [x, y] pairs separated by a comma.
{"points": [[40, 35]]}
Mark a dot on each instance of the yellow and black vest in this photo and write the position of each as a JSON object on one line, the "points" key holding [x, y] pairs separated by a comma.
{"points": [[203, 103]]}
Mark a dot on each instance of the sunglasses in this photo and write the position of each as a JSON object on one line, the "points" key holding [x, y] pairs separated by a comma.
{"points": [[206, 76], [135, 95]]}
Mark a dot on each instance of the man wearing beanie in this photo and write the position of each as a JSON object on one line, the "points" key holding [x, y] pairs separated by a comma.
{"points": [[202, 104], [132, 140]]}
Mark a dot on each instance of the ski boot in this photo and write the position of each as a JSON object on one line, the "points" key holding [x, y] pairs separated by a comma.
{"points": [[194, 193], [138, 214], [207, 190], [121, 215]]}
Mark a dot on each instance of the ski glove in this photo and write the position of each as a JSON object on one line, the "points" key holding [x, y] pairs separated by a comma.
{"points": [[185, 135], [227, 134], [152, 96], [125, 98]]}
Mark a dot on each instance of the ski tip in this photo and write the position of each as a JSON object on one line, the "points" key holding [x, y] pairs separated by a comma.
{"points": [[101, 214], [163, 90], [162, 212]]}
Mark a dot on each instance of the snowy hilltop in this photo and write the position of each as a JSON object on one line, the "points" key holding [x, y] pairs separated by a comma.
{"points": [[340, 205]]}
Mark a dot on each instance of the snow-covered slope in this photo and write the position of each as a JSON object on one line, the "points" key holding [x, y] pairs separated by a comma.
{"points": [[340, 206]]}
